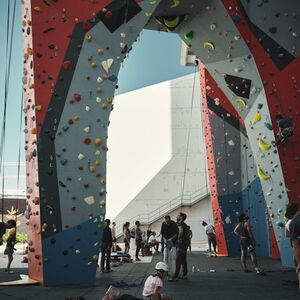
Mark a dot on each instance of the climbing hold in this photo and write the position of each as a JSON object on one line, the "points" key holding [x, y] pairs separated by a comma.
{"points": [[209, 45], [87, 141], [37, 9], [262, 145], [63, 162], [256, 118], [261, 174], [103, 181], [95, 258], [268, 125], [92, 169], [98, 142], [88, 38], [89, 200], [107, 64], [100, 51], [67, 65], [189, 35], [81, 156], [241, 103], [104, 105]]}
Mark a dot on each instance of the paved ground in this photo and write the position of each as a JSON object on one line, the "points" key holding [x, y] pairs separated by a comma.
{"points": [[213, 279]]}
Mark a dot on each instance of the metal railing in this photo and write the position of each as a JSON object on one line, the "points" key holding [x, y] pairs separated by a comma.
{"points": [[156, 214]]}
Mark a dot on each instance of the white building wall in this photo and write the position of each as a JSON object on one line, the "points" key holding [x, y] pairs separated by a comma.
{"points": [[148, 139]]}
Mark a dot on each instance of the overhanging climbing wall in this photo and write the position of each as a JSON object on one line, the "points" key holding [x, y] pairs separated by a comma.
{"points": [[73, 50]]}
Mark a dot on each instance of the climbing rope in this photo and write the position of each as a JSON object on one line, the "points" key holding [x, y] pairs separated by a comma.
{"points": [[19, 154], [9, 41], [188, 138]]}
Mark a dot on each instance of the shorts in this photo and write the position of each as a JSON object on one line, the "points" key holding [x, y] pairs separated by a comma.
{"points": [[126, 242], [9, 251], [246, 246]]}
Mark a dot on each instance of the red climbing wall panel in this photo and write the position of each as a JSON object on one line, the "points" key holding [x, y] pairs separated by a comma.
{"points": [[222, 247], [58, 28]]}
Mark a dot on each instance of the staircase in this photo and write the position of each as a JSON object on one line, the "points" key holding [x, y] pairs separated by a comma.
{"points": [[165, 209]]}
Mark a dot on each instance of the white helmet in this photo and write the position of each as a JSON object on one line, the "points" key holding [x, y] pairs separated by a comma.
{"points": [[161, 266]]}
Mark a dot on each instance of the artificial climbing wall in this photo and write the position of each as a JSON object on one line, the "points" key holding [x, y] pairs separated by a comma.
{"points": [[73, 50], [250, 49]]}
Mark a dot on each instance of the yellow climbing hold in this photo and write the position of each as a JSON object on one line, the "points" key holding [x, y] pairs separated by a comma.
{"points": [[95, 258], [172, 23], [103, 181], [262, 175], [241, 103], [262, 145], [104, 105], [209, 45], [256, 118], [102, 203], [175, 3], [88, 38], [98, 141], [148, 15], [92, 169]]}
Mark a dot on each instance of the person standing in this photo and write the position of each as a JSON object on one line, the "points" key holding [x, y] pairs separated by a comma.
{"points": [[10, 243], [247, 242], [293, 212], [106, 247], [190, 239], [169, 233], [182, 246], [114, 238], [211, 238], [138, 239], [126, 233]]}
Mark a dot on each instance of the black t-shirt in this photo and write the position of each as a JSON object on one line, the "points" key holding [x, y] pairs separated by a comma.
{"points": [[168, 231], [295, 228], [106, 235]]}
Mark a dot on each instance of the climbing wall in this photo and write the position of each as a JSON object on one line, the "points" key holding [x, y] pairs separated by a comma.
{"points": [[72, 55], [73, 51], [250, 49]]}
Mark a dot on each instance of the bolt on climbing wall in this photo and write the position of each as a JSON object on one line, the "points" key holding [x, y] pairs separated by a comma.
{"points": [[73, 51]]}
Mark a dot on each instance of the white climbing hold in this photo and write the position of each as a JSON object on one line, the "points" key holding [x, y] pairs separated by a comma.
{"points": [[231, 143], [100, 79], [81, 156], [87, 129], [228, 220], [98, 100], [89, 200], [87, 108]]}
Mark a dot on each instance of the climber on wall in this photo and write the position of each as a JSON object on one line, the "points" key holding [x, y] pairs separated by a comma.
{"points": [[285, 129]]}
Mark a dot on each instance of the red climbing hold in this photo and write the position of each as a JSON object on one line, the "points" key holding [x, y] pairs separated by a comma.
{"points": [[77, 97], [108, 15], [67, 65], [87, 26], [87, 141]]}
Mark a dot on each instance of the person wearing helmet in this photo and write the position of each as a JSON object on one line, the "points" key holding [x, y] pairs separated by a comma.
{"points": [[154, 283]]}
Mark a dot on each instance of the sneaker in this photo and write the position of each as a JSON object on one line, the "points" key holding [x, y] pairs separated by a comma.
{"points": [[259, 271], [137, 259]]}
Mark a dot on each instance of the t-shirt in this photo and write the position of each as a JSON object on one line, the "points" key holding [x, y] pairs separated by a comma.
{"points": [[113, 232], [152, 282], [170, 230], [106, 235], [152, 239], [209, 229], [138, 233], [11, 239], [295, 228]]}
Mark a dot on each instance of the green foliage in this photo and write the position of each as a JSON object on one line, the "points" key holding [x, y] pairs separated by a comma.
{"points": [[21, 237]]}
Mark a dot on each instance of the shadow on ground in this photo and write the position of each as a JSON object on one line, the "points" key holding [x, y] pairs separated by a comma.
{"points": [[214, 278]]}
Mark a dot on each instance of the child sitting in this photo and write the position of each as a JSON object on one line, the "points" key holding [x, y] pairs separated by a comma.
{"points": [[154, 283]]}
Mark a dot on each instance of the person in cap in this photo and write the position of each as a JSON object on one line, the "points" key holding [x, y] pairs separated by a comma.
{"points": [[154, 283]]}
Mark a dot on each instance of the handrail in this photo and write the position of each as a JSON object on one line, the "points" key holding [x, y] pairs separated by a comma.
{"points": [[179, 201]]}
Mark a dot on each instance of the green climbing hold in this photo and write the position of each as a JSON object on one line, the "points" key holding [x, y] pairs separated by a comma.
{"points": [[189, 35]]}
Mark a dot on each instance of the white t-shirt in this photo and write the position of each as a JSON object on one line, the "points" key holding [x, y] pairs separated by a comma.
{"points": [[209, 229], [152, 282], [113, 232], [152, 239]]}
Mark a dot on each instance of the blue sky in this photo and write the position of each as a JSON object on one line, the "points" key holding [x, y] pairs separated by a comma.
{"points": [[154, 58]]}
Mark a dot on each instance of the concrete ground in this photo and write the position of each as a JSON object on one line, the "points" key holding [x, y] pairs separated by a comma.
{"points": [[214, 278]]}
